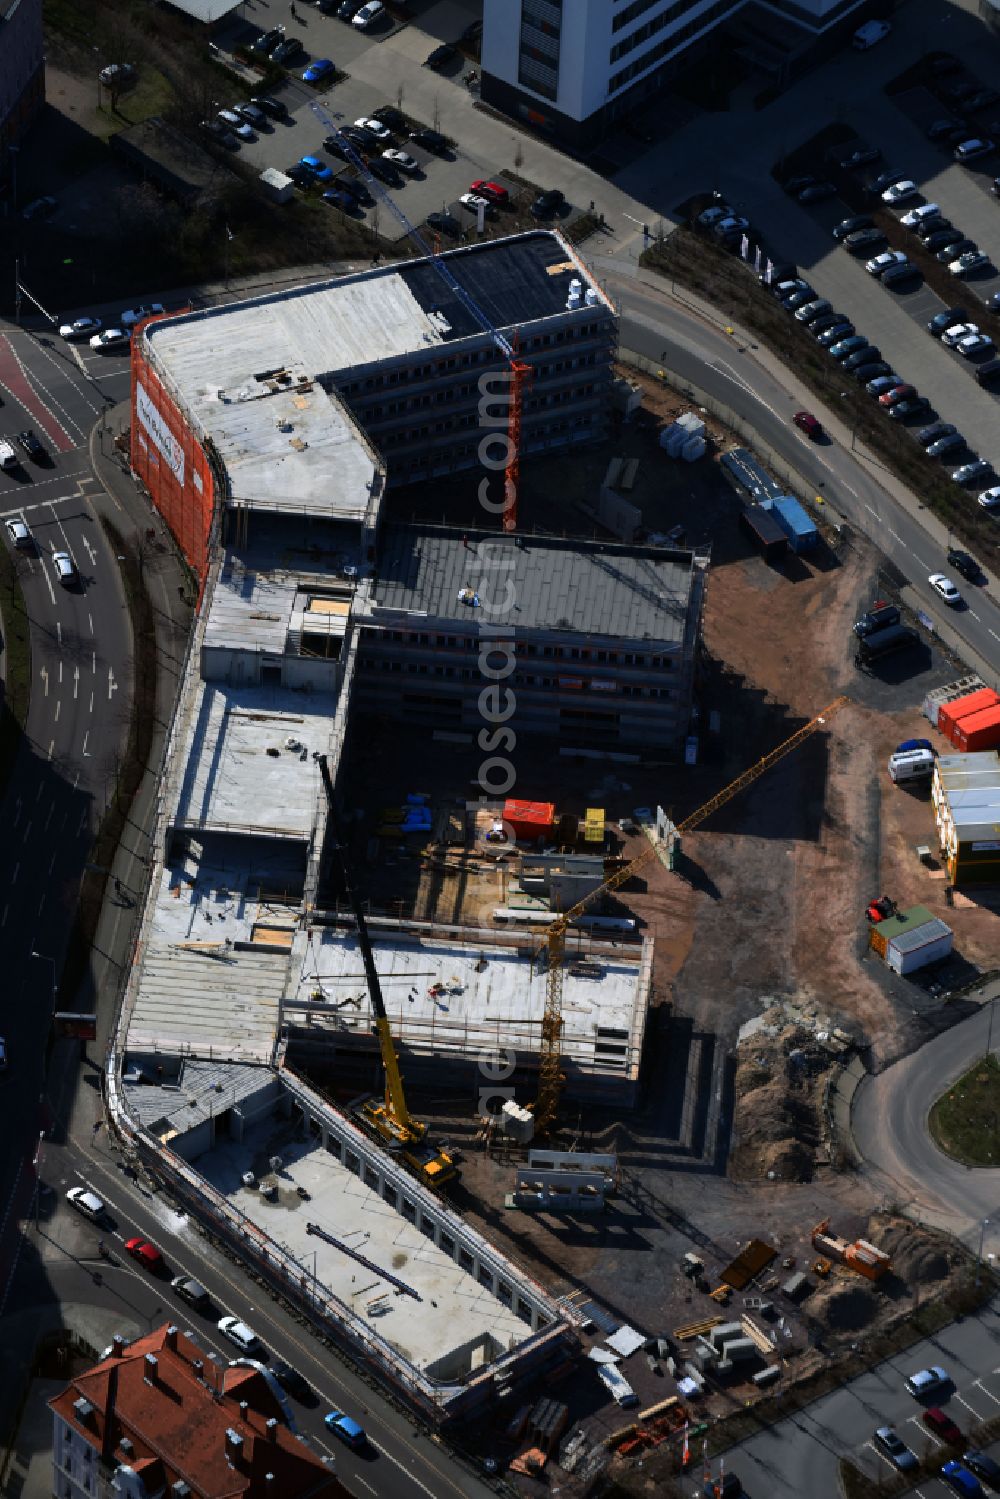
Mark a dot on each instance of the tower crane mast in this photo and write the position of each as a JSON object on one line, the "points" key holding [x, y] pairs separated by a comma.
{"points": [[519, 368]]}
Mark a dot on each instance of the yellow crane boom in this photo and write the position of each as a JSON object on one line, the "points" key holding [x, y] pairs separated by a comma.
{"points": [[550, 1075]]}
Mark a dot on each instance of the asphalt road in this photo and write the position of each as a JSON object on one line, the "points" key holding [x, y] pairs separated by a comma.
{"points": [[660, 328], [403, 1461], [799, 1456], [889, 1123]]}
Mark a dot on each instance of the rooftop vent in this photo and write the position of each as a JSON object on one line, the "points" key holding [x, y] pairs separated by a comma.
{"points": [[271, 1426], [180, 1490], [126, 1446], [150, 1366], [83, 1409]]}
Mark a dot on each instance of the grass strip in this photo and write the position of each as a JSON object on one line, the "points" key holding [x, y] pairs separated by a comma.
{"points": [[965, 1121]]}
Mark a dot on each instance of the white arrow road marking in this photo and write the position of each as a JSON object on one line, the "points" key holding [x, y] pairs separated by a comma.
{"points": [[112, 684], [91, 550], [85, 749], [58, 706], [44, 674]]}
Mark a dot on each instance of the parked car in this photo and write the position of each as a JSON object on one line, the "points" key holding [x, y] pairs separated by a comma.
{"points": [[31, 445], [346, 1428], [896, 274], [319, 71], [961, 1480], [852, 225], [883, 383], [348, 9], [441, 57], [968, 473], [109, 340], [879, 617], [868, 372], [133, 315], [879, 264], [870, 34], [221, 134], [864, 240], [238, 1332], [898, 392], [976, 343], [546, 204], [391, 116], [990, 498], [835, 334], [191, 1291], [927, 1381], [374, 128], [266, 43], [816, 192], [973, 149], [444, 223], [920, 215], [954, 250], [936, 430], [797, 289], [431, 140], [272, 107], [252, 114], [808, 424], [927, 228], [983, 98], [472, 202], [828, 320], [315, 165], [942, 321], [885, 179], [949, 443], [900, 192], [942, 129], [118, 75], [848, 346], [86, 1202], [972, 260], [870, 354], [300, 175], [895, 1449], [288, 50], [491, 190], [941, 1424], [956, 332], [83, 327], [783, 289], [940, 239], [810, 311], [19, 534], [795, 185], [983, 1466], [401, 159], [339, 199], [912, 406], [39, 208], [291, 1380], [861, 156], [799, 299], [369, 13]]}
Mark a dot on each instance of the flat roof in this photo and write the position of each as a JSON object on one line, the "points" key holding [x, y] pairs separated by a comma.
{"points": [[453, 1309], [255, 607], [171, 1097], [250, 766], [596, 588], [472, 992]]}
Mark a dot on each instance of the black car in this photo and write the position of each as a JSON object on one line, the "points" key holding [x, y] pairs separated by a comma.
{"points": [[272, 107], [930, 434], [885, 179], [866, 372], [358, 137], [863, 241], [851, 226], [861, 156], [265, 44], [933, 225], [357, 189], [941, 130], [867, 355], [964, 564], [441, 56], [913, 406], [431, 140], [816, 192], [899, 273], [954, 250], [290, 1379], [799, 299], [983, 98], [348, 9], [547, 204], [947, 319], [288, 50], [384, 171], [879, 617], [937, 241], [828, 320], [796, 185], [31, 445], [336, 147], [983, 1466], [388, 114], [444, 223], [300, 175]]}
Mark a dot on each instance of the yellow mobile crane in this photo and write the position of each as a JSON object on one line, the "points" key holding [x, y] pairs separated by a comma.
{"points": [[390, 1121], [550, 1076]]}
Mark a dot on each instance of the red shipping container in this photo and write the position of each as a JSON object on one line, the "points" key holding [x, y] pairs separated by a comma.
{"points": [[981, 731], [529, 820], [949, 714]]}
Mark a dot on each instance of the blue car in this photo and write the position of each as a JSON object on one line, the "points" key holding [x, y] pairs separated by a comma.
{"points": [[961, 1480], [915, 744], [320, 173], [318, 70], [346, 1429]]}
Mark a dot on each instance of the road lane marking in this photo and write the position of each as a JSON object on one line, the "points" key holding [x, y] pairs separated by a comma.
{"points": [[919, 561], [58, 627], [91, 708], [871, 509], [44, 674], [60, 671], [52, 746], [85, 749], [112, 684], [975, 616], [93, 662], [17, 870], [58, 706], [76, 681], [27, 832], [988, 1393], [91, 618]]}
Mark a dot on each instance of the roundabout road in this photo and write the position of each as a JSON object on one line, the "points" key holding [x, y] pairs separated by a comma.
{"points": [[889, 1123]]}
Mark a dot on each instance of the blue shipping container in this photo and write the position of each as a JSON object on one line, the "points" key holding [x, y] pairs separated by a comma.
{"points": [[793, 520]]}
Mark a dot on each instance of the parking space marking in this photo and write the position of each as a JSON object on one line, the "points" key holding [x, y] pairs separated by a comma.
{"points": [[989, 1393]]}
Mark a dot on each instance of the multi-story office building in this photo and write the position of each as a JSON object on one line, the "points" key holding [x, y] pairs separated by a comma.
{"points": [[573, 67], [22, 75]]}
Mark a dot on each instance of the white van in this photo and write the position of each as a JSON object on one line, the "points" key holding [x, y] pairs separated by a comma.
{"points": [[8, 457], [621, 1391], [867, 35], [911, 765]]}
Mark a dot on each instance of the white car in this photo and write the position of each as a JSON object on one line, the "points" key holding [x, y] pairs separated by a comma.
{"points": [[990, 498], [229, 117], [471, 201], [900, 192], [976, 343], [18, 533], [66, 573], [374, 127], [133, 315], [401, 160], [110, 338], [971, 261], [239, 1333], [945, 587], [86, 1202], [954, 335], [368, 14], [881, 263], [84, 327]]}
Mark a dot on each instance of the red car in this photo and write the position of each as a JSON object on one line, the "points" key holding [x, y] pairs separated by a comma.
{"points": [[146, 1253], [491, 190], [942, 1426], [898, 393], [808, 423]]}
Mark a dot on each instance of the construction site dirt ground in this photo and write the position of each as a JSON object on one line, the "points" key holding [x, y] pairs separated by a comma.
{"points": [[769, 903]]}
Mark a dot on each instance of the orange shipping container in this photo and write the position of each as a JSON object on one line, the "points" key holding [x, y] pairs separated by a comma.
{"points": [[961, 707], [529, 820], [979, 732]]}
